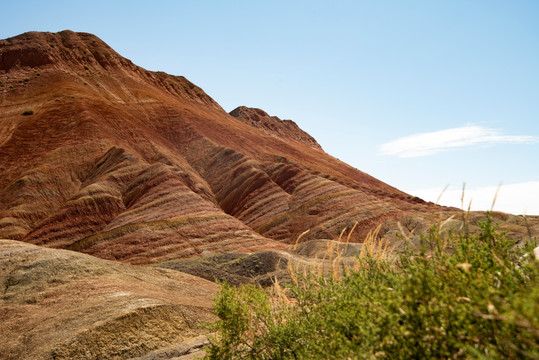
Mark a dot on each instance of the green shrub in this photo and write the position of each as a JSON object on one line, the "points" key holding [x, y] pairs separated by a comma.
{"points": [[458, 296], [28, 112]]}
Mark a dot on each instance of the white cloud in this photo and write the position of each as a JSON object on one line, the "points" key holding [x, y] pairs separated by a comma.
{"points": [[443, 140], [522, 198]]}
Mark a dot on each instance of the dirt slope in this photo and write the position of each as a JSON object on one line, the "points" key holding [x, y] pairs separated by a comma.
{"points": [[58, 304]]}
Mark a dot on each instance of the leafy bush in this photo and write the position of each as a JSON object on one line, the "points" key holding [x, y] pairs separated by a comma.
{"points": [[458, 296]]}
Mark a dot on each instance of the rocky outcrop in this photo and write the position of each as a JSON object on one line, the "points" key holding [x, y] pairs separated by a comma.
{"points": [[284, 129]]}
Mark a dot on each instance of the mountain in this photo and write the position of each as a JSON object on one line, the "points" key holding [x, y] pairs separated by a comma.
{"points": [[144, 167], [102, 157]]}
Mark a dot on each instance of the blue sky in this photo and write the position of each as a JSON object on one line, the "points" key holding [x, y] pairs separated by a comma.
{"points": [[420, 94]]}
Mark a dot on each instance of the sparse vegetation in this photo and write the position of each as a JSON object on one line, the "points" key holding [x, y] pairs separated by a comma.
{"points": [[457, 296], [28, 112]]}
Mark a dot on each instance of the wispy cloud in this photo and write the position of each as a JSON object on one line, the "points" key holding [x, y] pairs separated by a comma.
{"points": [[434, 142], [512, 198]]}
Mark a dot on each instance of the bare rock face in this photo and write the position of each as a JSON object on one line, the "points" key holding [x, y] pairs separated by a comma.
{"points": [[284, 129], [58, 304]]}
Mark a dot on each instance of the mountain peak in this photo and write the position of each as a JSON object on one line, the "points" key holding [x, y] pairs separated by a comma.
{"points": [[35, 49], [88, 62], [273, 125]]}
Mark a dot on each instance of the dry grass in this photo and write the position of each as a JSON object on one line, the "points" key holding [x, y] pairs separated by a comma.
{"points": [[334, 262]]}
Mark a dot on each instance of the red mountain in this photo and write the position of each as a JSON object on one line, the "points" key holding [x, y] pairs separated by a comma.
{"points": [[142, 167]]}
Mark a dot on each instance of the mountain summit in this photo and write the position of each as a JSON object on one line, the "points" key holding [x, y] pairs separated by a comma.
{"points": [[35, 49], [143, 167]]}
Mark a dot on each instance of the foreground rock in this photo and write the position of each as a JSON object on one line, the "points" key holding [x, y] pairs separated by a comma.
{"points": [[58, 304]]}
